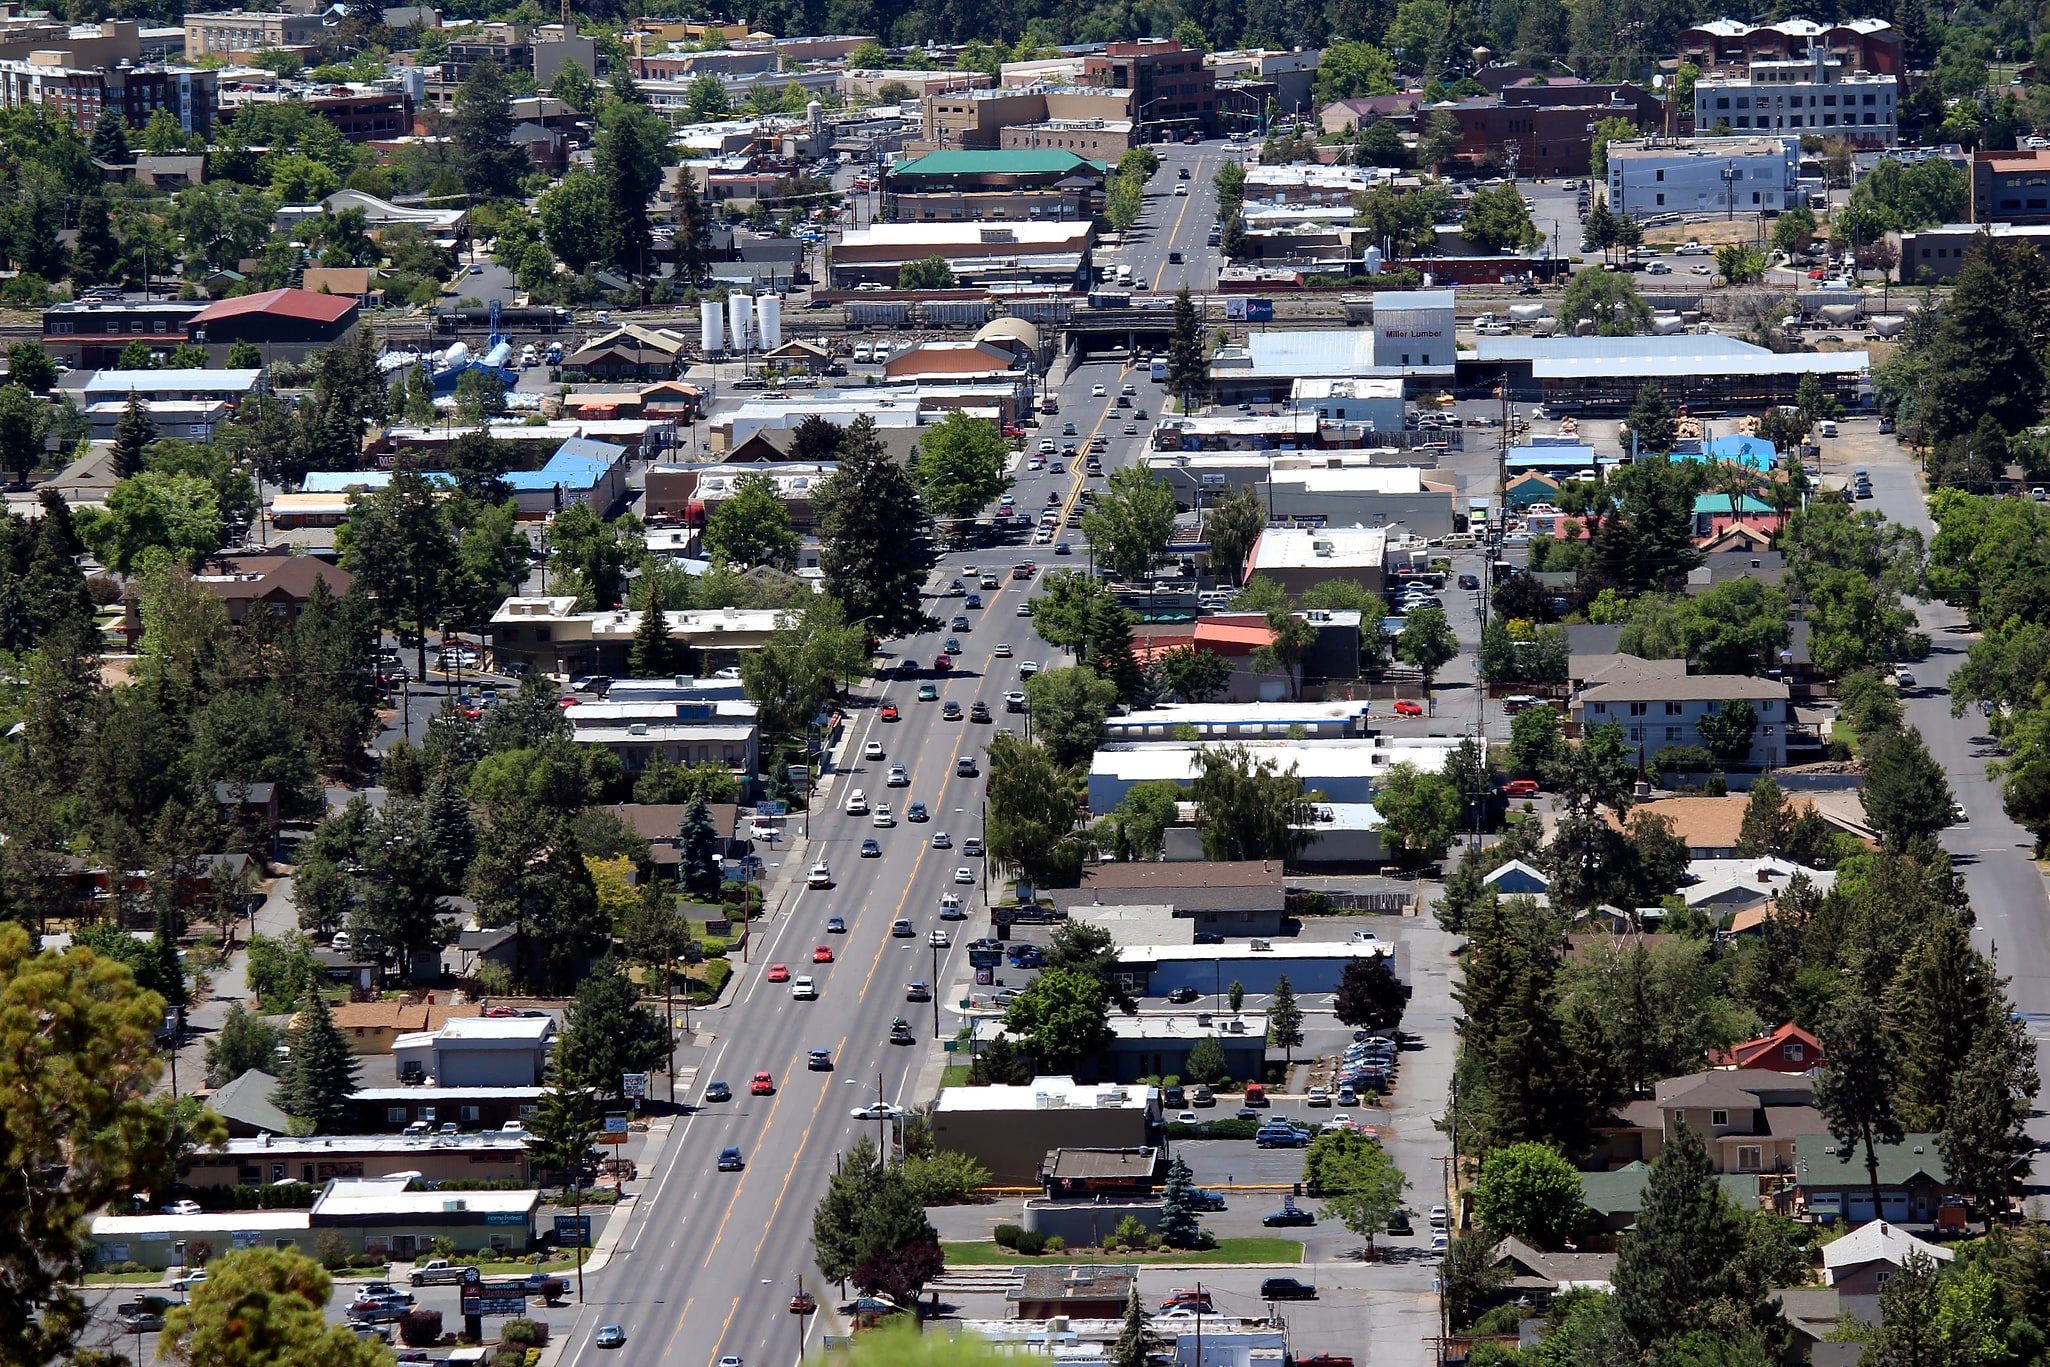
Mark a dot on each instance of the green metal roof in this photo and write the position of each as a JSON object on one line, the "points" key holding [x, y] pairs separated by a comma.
{"points": [[1023, 161]]}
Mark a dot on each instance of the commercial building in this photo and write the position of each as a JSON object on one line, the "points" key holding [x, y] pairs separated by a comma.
{"points": [[286, 324], [1030, 252], [1173, 91], [271, 1158], [91, 334], [1002, 184], [1154, 1045], [1707, 371], [1722, 175], [1343, 770], [2011, 187], [1309, 966], [242, 32], [1817, 97], [373, 1215], [1011, 1129], [551, 636], [82, 93], [1299, 557], [1873, 45], [1935, 254]]}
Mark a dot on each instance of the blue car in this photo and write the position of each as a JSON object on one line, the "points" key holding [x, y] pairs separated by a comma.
{"points": [[836, 925]]}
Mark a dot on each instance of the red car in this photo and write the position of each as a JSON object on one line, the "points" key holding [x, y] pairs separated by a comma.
{"points": [[1405, 708], [822, 955], [763, 1085], [889, 712], [1520, 787], [779, 973]]}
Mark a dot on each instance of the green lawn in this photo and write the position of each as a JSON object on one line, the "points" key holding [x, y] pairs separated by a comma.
{"points": [[1227, 1251]]}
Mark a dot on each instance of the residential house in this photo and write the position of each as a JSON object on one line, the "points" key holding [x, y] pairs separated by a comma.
{"points": [[1788, 1049], [371, 1028], [1733, 887], [1862, 1262], [478, 1051], [245, 1105], [1669, 711], [1830, 1181], [1749, 1119], [1536, 1272], [1616, 1197]]}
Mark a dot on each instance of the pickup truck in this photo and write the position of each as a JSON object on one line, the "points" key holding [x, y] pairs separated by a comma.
{"points": [[437, 1272]]}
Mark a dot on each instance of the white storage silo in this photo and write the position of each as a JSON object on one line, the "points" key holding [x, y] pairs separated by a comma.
{"points": [[769, 320], [711, 328], [740, 320]]}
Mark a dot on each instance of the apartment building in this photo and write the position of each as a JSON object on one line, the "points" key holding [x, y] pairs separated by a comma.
{"points": [[243, 31], [1815, 95]]}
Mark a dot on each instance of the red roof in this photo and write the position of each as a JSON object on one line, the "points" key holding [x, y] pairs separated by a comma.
{"points": [[301, 304]]}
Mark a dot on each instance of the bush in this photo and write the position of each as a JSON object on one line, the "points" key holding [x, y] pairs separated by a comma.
{"points": [[1007, 1235], [420, 1328], [1031, 1242], [1056, 1244]]}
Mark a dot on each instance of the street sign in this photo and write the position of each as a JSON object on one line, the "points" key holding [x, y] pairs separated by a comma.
{"points": [[633, 1085], [573, 1231]]}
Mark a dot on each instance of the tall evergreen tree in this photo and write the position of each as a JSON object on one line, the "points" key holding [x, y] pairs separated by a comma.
{"points": [[875, 534], [132, 435], [322, 1074], [1179, 1227], [1677, 1261], [1856, 1090], [654, 654], [699, 840]]}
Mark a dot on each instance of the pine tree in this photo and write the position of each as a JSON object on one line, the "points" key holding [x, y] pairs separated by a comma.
{"points": [[1855, 1091], [132, 435], [1677, 1260], [653, 654], [1284, 1019], [699, 841], [1942, 998], [317, 1084], [1130, 1348], [1179, 1227]]}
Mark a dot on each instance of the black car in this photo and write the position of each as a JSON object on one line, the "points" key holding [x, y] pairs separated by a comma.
{"points": [[1469, 581], [1286, 1289], [1288, 1216], [871, 850]]}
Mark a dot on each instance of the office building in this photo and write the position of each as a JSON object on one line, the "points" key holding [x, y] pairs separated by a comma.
{"points": [[1733, 175]]}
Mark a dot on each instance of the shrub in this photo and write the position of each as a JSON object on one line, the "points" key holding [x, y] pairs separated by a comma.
{"points": [[1031, 1242], [1007, 1235], [420, 1328], [1056, 1244]]}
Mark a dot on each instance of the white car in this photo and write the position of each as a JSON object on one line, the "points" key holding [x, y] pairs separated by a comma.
{"points": [[950, 908], [937, 939], [804, 990], [964, 874], [884, 817], [898, 777], [872, 750]]}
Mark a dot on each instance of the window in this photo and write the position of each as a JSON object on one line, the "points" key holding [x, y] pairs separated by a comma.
{"points": [[1718, 1117]]}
